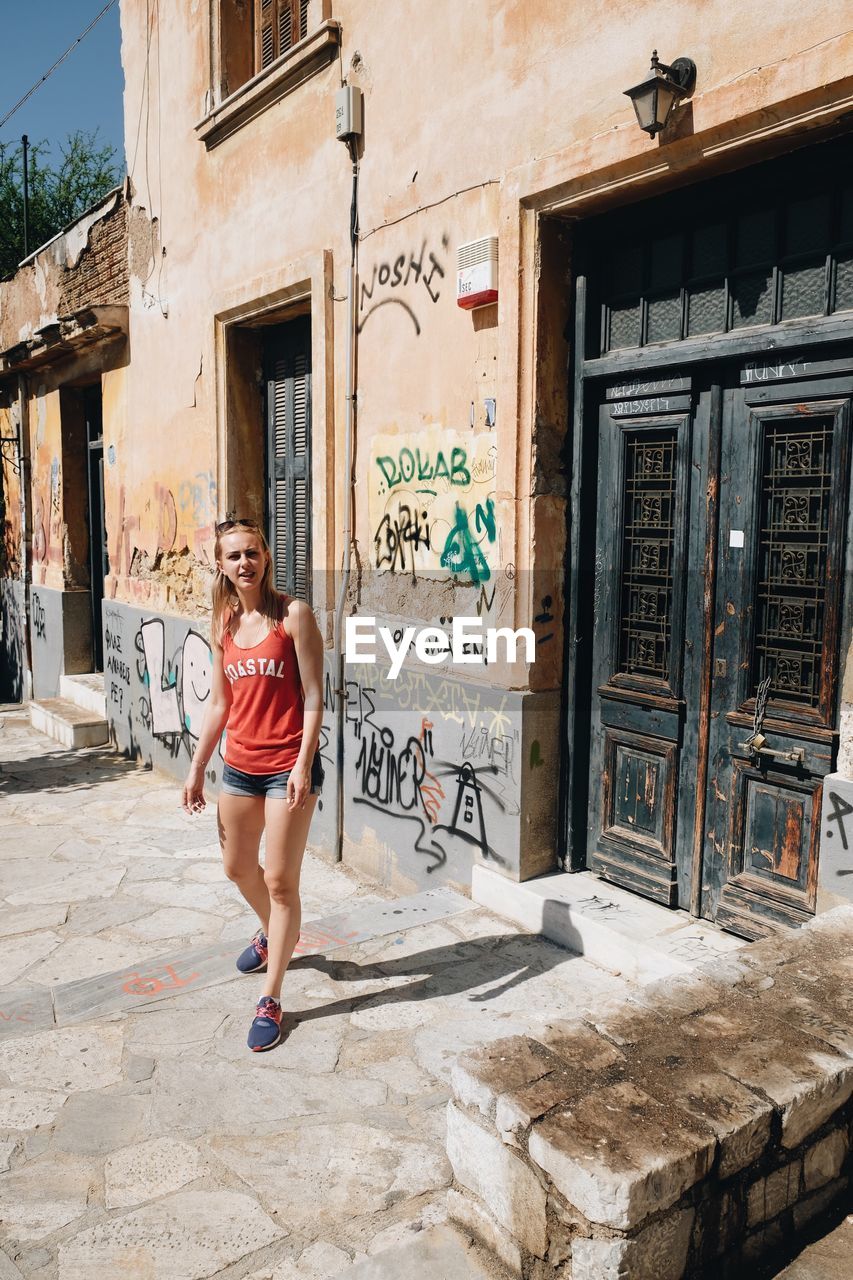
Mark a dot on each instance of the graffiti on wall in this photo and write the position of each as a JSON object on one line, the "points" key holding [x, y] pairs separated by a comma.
{"points": [[157, 682], [411, 279], [431, 504], [167, 520], [436, 758], [177, 691]]}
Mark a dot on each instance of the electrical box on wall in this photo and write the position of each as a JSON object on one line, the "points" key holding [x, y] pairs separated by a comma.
{"points": [[477, 273], [348, 113]]}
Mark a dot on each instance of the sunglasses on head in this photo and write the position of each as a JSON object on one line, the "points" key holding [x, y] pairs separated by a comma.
{"points": [[225, 525]]}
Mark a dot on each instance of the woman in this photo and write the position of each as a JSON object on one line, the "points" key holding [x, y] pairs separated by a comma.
{"points": [[267, 691]]}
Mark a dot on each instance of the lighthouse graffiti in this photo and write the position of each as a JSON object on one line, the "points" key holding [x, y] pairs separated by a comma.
{"points": [[418, 771]]}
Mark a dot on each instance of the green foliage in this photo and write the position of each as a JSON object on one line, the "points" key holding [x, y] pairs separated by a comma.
{"points": [[59, 192]]}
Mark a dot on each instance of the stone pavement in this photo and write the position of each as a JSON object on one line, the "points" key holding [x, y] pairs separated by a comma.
{"points": [[138, 1136]]}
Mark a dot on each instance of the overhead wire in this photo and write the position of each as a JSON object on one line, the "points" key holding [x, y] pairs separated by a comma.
{"points": [[59, 61]]}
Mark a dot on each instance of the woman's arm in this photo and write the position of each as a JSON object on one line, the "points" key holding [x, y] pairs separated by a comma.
{"points": [[302, 627], [215, 717]]}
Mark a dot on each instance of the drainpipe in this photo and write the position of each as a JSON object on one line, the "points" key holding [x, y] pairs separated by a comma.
{"points": [[25, 474], [349, 502]]}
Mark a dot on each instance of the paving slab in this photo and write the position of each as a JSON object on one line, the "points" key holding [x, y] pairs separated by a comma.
{"points": [[191, 1235], [339, 1171]]}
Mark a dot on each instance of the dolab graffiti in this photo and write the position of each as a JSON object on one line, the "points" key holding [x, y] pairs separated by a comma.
{"points": [[431, 504]]}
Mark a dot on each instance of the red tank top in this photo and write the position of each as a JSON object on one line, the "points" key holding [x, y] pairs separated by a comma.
{"points": [[264, 729]]}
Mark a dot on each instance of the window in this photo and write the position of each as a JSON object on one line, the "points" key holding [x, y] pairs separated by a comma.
{"points": [[770, 244], [262, 50], [279, 24]]}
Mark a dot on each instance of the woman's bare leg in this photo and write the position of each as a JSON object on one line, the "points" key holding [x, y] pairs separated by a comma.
{"points": [[241, 824], [287, 833]]}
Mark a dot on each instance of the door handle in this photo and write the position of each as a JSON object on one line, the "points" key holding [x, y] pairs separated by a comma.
{"points": [[755, 746]]}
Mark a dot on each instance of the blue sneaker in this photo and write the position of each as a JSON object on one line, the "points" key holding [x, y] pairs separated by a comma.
{"points": [[254, 958], [265, 1031]]}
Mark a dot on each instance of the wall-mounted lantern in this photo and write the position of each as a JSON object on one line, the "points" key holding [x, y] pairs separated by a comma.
{"points": [[654, 97]]}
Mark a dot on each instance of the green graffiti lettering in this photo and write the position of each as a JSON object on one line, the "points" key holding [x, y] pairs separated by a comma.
{"points": [[441, 467], [484, 519], [424, 468], [459, 473], [407, 464], [388, 467], [462, 553]]}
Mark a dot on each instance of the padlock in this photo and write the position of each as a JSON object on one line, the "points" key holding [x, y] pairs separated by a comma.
{"points": [[757, 741]]}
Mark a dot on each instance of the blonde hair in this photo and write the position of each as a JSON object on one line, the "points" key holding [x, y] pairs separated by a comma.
{"points": [[226, 602]]}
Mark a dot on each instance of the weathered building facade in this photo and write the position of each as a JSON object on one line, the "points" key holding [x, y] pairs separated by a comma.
{"points": [[640, 450]]}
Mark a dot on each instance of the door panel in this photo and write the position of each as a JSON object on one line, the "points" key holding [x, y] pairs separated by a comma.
{"points": [[641, 580], [783, 511]]}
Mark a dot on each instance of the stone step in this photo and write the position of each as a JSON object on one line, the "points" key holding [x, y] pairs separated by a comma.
{"points": [[85, 691], [439, 1253], [618, 930], [68, 724]]}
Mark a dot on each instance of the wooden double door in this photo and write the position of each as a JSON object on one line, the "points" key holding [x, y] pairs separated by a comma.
{"points": [[720, 612]]}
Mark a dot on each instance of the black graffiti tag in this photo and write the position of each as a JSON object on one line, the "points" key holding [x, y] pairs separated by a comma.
{"points": [[840, 810]]}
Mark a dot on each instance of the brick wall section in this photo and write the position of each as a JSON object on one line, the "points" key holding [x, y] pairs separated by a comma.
{"points": [[101, 274]]}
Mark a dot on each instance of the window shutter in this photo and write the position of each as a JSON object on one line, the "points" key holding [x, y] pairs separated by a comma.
{"points": [[285, 25], [279, 25], [289, 450], [266, 33]]}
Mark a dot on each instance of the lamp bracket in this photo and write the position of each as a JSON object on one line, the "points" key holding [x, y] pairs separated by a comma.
{"points": [[682, 71]]}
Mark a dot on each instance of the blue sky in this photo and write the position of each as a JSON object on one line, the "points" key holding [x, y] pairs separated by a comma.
{"points": [[84, 93]]}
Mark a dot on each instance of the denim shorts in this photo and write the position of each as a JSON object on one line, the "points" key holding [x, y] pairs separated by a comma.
{"points": [[271, 785]]}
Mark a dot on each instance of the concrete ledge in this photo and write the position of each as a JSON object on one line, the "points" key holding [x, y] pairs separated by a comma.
{"points": [[68, 724], [618, 930], [688, 1131]]}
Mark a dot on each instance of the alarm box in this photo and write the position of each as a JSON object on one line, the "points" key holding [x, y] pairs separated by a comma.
{"points": [[477, 273]]}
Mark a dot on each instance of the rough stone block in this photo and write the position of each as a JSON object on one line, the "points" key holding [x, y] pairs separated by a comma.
{"points": [[824, 1160], [718, 1227], [766, 1240], [768, 1197], [578, 1047], [805, 1211], [658, 1253], [738, 1118], [478, 1222], [479, 1077], [820, 1007], [806, 1080], [501, 1179], [619, 1155], [516, 1112]]}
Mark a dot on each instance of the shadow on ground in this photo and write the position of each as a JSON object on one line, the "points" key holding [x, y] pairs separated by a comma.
{"points": [[506, 960], [56, 773]]}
